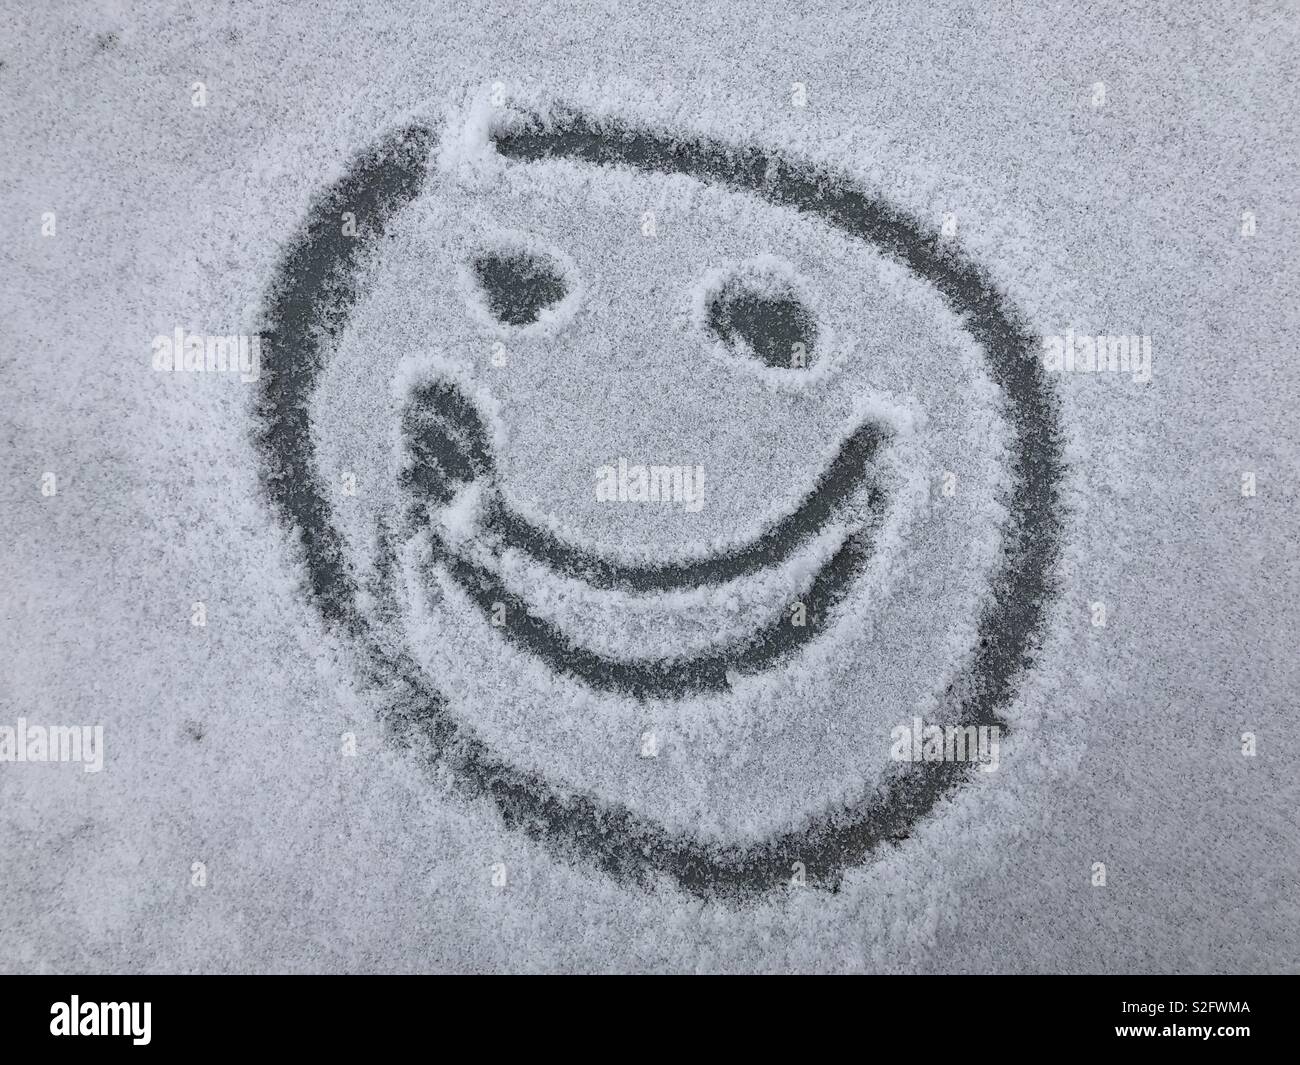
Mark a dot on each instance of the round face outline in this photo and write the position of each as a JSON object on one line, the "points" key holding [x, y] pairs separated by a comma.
{"points": [[311, 296]]}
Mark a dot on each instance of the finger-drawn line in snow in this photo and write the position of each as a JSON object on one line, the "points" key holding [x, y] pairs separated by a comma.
{"points": [[449, 452], [310, 298]]}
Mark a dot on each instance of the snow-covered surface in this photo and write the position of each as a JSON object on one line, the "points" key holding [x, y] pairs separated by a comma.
{"points": [[224, 744]]}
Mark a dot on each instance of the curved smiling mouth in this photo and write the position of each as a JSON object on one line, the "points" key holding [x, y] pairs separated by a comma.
{"points": [[450, 481]]}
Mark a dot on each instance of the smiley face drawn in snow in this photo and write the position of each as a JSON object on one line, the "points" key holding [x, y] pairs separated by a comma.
{"points": [[527, 333]]}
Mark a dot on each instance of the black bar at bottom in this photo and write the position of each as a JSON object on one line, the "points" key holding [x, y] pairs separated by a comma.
{"points": [[336, 1013]]}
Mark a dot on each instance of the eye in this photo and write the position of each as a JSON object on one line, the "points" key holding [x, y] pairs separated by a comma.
{"points": [[763, 317], [518, 286]]}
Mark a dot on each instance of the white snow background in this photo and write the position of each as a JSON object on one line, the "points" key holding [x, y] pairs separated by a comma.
{"points": [[222, 743]]}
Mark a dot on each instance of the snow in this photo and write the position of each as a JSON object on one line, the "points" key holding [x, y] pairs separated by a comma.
{"points": [[224, 743]]}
